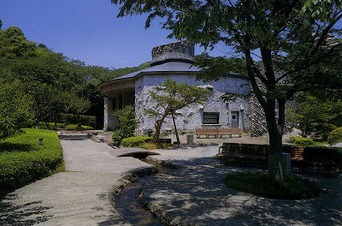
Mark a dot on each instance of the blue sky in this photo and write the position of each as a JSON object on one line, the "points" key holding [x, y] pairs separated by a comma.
{"points": [[85, 30]]}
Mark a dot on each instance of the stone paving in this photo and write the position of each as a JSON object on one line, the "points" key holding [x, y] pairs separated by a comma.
{"points": [[79, 196], [192, 194]]}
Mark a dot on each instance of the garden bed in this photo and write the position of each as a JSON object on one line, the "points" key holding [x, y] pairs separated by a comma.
{"points": [[28, 156]]}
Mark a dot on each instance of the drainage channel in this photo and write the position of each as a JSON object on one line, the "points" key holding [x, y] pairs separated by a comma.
{"points": [[128, 203]]}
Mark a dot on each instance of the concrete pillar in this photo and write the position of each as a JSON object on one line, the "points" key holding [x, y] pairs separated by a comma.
{"points": [[105, 115]]}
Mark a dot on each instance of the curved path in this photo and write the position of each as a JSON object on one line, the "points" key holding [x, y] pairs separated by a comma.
{"points": [[79, 196], [193, 194]]}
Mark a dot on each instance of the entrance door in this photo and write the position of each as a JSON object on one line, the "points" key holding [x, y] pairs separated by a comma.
{"points": [[235, 119]]}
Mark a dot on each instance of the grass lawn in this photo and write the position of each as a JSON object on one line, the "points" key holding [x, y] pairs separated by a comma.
{"points": [[259, 184], [61, 126], [23, 160]]}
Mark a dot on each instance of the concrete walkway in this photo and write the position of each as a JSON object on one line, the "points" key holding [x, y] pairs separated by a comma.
{"points": [[79, 196], [193, 194]]}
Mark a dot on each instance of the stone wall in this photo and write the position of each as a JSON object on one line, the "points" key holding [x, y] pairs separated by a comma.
{"points": [[183, 51], [257, 118], [190, 118]]}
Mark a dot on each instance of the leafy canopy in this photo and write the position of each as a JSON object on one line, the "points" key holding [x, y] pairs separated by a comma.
{"points": [[290, 39]]}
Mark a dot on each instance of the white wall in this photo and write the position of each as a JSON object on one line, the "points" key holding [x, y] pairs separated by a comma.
{"points": [[190, 118]]}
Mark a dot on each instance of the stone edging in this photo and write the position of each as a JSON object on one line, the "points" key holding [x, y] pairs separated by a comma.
{"points": [[132, 177], [128, 178]]}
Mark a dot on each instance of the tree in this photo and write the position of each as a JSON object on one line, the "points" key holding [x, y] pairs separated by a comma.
{"points": [[15, 108], [288, 37], [171, 96], [313, 114], [13, 44]]}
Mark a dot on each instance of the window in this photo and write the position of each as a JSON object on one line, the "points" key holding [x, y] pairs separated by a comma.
{"points": [[211, 117]]}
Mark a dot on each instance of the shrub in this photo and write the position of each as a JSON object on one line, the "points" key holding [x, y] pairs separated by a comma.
{"points": [[135, 141], [23, 160], [149, 146], [325, 129], [293, 138], [75, 126], [335, 136], [117, 138], [303, 141], [126, 124], [259, 184]]}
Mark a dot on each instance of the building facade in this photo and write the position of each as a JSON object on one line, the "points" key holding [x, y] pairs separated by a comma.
{"points": [[174, 61]]}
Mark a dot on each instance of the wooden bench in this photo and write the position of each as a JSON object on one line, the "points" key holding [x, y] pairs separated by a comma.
{"points": [[207, 132], [301, 158], [246, 154], [218, 132]]}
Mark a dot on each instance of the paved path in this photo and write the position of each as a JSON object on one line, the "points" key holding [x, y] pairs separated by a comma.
{"points": [[79, 196], [193, 194]]}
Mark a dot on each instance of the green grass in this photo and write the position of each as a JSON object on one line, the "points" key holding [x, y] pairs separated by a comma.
{"points": [[74, 127], [23, 160], [259, 184], [61, 126]]}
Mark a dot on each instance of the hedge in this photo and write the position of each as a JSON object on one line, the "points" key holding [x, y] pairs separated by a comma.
{"points": [[84, 119], [23, 160], [302, 141], [135, 141], [335, 136]]}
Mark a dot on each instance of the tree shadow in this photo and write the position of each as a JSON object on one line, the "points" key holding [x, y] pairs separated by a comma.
{"points": [[197, 193], [12, 147], [25, 214]]}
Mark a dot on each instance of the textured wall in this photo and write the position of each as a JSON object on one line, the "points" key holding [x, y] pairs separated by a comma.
{"points": [[190, 118], [175, 51]]}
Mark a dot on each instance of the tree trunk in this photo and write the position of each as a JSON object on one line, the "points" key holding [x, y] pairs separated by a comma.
{"points": [[176, 131], [275, 129], [275, 164], [158, 125]]}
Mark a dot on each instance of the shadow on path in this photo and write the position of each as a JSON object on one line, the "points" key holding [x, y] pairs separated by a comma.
{"points": [[25, 214], [196, 195]]}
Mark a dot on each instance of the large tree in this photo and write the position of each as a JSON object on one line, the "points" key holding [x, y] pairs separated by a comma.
{"points": [[288, 39]]}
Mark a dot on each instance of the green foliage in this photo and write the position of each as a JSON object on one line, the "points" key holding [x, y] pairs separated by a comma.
{"points": [[260, 184], [335, 136], [219, 66], [23, 160], [126, 124], [295, 46], [78, 126], [13, 44], [15, 107], [171, 96], [135, 141], [82, 119], [303, 141], [311, 114]]}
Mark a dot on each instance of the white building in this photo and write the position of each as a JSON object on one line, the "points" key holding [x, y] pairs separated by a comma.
{"points": [[174, 61]]}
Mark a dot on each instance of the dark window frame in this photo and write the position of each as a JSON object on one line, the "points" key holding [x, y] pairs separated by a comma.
{"points": [[211, 118]]}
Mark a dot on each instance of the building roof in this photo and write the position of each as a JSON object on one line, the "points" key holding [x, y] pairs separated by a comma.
{"points": [[165, 67], [174, 58]]}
